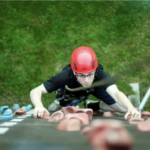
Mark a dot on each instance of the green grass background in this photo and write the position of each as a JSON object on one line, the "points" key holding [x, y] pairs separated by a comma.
{"points": [[37, 39]]}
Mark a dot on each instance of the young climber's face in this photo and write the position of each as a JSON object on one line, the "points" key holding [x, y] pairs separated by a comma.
{"points": [[85, 79]]}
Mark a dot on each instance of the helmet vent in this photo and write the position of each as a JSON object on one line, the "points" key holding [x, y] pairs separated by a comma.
{"points": [[93, 63], [75, 66]]}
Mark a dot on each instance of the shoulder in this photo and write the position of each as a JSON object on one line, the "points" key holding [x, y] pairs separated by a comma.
{"points": [[66, 73], [100, 67], [61, 79], [100, 73], [99, 70], [67, 68]]}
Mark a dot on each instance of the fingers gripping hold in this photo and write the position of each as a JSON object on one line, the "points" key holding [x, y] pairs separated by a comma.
{"points": [[39, 111], [133, 113]]}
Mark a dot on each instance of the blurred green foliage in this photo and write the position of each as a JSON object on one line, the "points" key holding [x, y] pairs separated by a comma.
{"points": [[37, 39]]}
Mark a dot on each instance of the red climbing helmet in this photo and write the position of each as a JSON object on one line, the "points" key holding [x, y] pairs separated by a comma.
{"points": [[83, 60]]}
